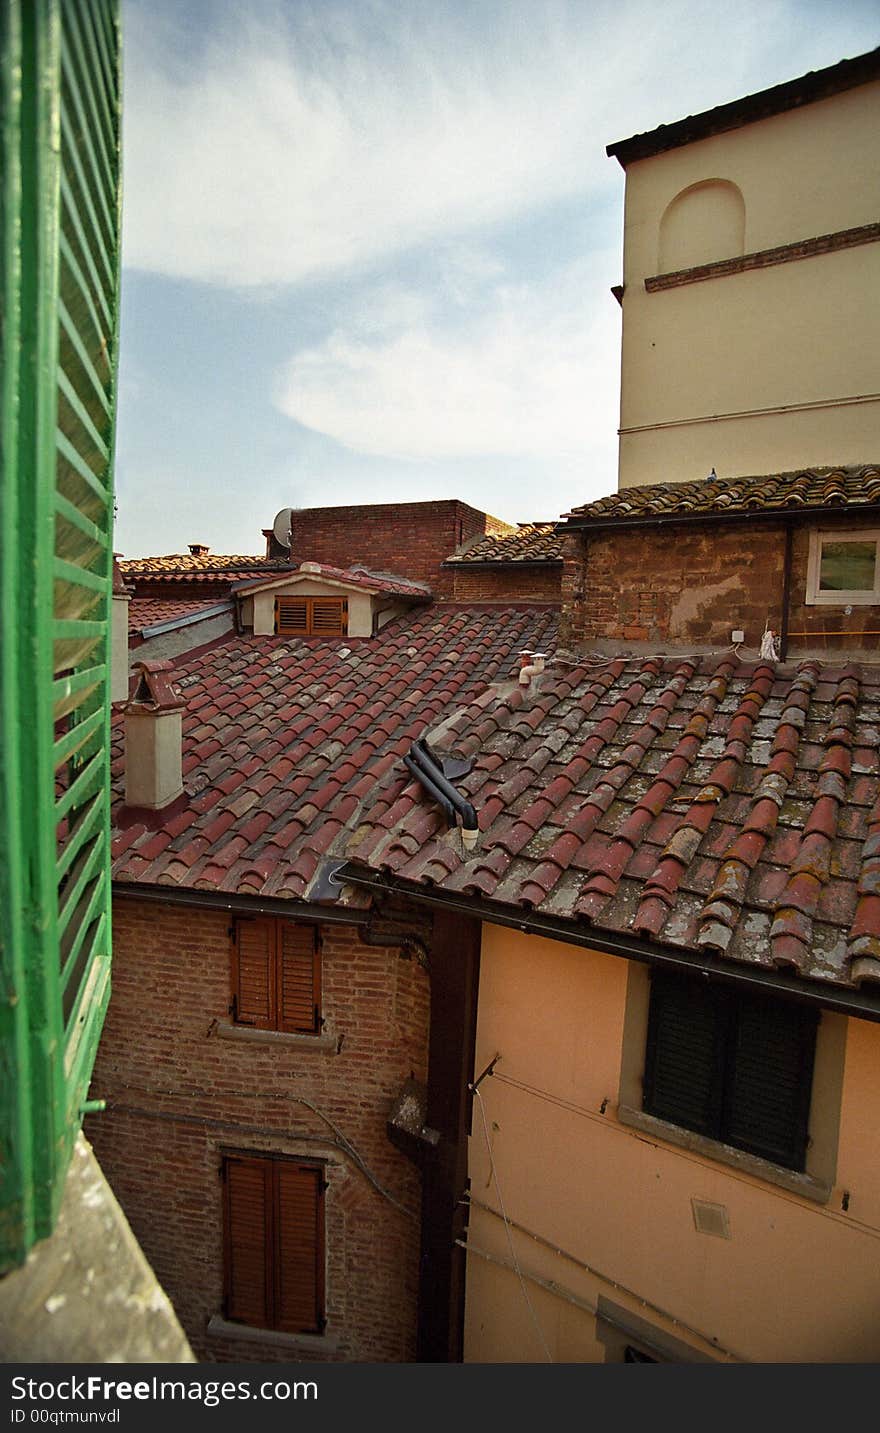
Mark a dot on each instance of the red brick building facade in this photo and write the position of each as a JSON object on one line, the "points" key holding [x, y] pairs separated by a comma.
{"points": [[186, 1088], [411, 539]]}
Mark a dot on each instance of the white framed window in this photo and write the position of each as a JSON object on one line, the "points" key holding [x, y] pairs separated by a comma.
{"points": [[844, 568]]}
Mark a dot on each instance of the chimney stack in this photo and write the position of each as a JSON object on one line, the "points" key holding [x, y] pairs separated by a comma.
{"points": [[199, 549], [153, 738], [119, 635]]}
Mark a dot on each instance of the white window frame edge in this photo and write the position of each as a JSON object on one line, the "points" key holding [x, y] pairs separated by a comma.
{"points": [[859, 597]]}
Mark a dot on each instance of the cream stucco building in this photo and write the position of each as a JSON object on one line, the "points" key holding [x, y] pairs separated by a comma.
{"points": [[751, 293]]}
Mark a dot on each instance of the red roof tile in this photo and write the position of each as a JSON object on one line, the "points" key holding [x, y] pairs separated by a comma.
{"points": [[803, 489], [636, 794], [271, 787], [532, 542]]}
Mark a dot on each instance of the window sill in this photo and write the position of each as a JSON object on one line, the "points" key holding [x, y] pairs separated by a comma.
{"points": [[227, 1031], [842, 599], [309, 1342], [804, 1184]]}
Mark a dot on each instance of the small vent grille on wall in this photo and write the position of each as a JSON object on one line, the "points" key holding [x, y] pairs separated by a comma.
{"points": [[711, 1218]]}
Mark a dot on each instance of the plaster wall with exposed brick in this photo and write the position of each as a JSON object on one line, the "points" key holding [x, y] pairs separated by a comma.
{"points": [[696, 583], [519, 583], [180, 1094], [409, 539]]}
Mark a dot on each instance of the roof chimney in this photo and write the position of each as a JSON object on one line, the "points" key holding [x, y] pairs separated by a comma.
{"points": [[153, 738], [198, 549], [119, 635]]}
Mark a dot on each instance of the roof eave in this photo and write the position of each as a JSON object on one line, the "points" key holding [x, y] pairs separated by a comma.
{"points": [[847, 1000], [505, 562], [764, 104], [787, 514]]}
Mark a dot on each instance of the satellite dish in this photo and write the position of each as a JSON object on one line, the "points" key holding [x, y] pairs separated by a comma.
{"points": [[281, 527]]}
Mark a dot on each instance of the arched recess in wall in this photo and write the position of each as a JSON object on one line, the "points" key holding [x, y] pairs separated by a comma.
{"points": [[702, 224]]}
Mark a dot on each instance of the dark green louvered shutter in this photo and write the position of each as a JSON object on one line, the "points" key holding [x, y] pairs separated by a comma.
{"points": [[683, 1059], [58, 284], [770, 1080], [735, 1067]]}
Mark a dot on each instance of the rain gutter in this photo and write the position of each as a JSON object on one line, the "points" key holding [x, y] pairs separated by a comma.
{"points": [[864, 1004]]}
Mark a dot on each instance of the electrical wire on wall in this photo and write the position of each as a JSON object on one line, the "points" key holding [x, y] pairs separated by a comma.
{"points": [[515, 1260]]}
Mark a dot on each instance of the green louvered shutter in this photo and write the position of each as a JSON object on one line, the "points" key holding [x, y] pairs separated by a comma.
{"points": [[60, 234]]}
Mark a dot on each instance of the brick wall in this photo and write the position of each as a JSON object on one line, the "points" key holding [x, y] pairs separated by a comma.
{"points": [[697, 583], [677, 584], [179, 1095], [507, 584], [410, 539]]}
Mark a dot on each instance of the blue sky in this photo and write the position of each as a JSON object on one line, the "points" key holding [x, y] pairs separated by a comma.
{"points": [[368, 246]]}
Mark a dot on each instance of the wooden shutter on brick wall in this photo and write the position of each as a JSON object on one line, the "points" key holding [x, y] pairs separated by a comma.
{"points": [[298, 977], [248, 1290], [299, 1262], [253, 972]]}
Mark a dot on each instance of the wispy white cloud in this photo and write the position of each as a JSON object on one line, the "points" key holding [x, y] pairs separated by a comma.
{"points": [[301, 142], [526, 377]]}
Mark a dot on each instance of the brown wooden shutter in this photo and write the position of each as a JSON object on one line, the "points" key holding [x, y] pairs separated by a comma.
{"points": [[253, 972], [329, 616], [247, 1285], [299, 1256], [292, 616], [299, 978]]}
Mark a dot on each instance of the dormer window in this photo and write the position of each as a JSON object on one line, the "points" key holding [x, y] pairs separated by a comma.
{"points": [[311, 616], [844, 568]]}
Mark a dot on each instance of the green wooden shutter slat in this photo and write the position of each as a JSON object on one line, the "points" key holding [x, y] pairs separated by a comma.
{"points": [[77, 960], [299, 1247], [79, 409], [96, 287], [86, 61], [79, 464], [97, 329], [70, 630], [81, 874], [98, 17], [77, 736], [96, 182], [76, 179], [75, 951], [88, 781], [88, 818], [60, 209], [72, 690], [79, 576], [65, 508], [87, 1007]]}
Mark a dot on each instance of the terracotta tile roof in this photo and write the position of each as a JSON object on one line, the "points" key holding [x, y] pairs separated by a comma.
{"points": [[533, 542], [729, 808], [148, 611], [209, 568], [351, 576], [807, 488], [285, 738]]}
